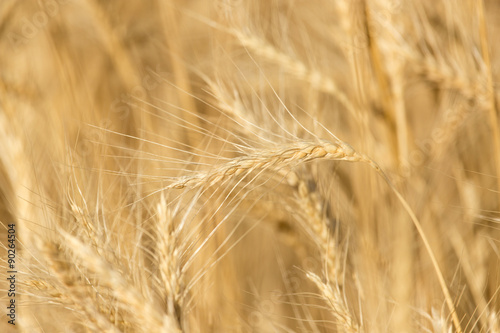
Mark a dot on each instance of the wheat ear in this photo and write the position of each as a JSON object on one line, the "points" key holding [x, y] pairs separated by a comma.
{"points": [[263, 159], [317, 222]]}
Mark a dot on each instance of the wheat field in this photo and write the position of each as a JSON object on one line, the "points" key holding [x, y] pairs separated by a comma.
{"points": [[249, 166]]}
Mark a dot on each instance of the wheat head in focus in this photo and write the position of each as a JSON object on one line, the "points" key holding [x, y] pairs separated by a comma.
{"points": [[250, 166]]}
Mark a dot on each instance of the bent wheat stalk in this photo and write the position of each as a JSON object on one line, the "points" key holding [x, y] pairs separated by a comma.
{"points": [[427, 245], [303, 152]]}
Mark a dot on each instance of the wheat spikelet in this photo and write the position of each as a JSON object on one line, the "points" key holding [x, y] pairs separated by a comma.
{"points": [[337, 303]]}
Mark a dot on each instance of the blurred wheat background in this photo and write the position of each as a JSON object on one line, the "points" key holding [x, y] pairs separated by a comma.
{"points": [[251, 165]]}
